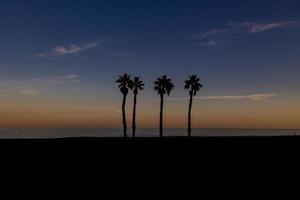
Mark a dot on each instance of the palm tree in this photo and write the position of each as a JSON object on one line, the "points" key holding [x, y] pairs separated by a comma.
{"points": [[124, 86], [163, 85], [136, 85], [193, 85]]}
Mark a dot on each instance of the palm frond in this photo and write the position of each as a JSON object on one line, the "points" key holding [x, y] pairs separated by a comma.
{"points": [[193, 84], [124, 83]]}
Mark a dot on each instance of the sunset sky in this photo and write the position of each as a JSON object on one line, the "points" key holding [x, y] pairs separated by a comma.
{"points": [[59, 60]]}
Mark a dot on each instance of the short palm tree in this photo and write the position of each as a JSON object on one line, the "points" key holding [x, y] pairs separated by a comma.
{"points": [[136, 85], [124, 86], [163, 85], [193, 85]]}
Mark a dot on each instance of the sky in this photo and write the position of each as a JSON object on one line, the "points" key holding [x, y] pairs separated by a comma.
{"points": [[59, 60]]}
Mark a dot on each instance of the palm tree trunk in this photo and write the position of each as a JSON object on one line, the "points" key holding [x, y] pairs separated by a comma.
{"points": [[124, 116], [134, 115], [161, 115], [190, 116]]}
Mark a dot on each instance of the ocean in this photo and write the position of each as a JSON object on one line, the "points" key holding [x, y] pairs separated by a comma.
{"points": [[26, 133]]}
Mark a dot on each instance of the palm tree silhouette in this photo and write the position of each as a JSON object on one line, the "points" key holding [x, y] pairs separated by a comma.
{"points": [[193, 85], [124, 86], [136, 85], [163, 85]]}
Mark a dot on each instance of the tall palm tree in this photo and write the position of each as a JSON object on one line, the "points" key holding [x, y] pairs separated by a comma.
{"points": [[124, 86], [163, 85], [193, 85], [136, 85]]}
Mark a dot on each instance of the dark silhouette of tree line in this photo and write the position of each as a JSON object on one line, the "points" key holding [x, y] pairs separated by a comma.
{"points": [[163, 86]]}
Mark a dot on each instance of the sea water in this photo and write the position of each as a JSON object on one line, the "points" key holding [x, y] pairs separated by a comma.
{"points": [[13, 133]]}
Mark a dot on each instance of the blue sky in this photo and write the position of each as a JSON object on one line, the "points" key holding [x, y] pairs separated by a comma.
{"points": [[75, 49]]}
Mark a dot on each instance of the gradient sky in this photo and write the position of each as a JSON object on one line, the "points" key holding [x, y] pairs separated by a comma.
{"points": [[59, 60]]}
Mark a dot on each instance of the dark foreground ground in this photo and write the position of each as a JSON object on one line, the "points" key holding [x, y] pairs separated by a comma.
{"points": [[156, 140], [172, 155], [107, 150], [148, 148], [284, 143]]}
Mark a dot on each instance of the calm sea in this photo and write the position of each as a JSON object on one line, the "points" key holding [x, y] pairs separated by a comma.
{"points": [[10, 133]]}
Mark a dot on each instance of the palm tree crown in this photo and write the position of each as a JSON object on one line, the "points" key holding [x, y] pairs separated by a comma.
{"points": [[193, 84], [124, 83], [136, 85], [164, 85]]}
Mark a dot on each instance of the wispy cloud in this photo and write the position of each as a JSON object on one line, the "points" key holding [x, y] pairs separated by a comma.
{"points": [[208, 38], [208, 34], [72, 78], [51, 81], [96, 107], [252, 97], [68, 77], [122, 54], [34, 86], [30, 92], [209, 43], [59, 51], [254, 27]]}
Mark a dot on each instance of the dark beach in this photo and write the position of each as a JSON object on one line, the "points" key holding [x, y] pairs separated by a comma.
{"points": [[208, 143], [162, 154]]}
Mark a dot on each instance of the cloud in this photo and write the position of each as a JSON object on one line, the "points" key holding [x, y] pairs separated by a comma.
{"points": [[211, 42], [96, 107], [34, 86], [208, 38], [67, 77], [122, 54], [59, 51], [253, 27], [252, 97], [211, 33], [30, 92], [50, 81], [72, 78]]}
